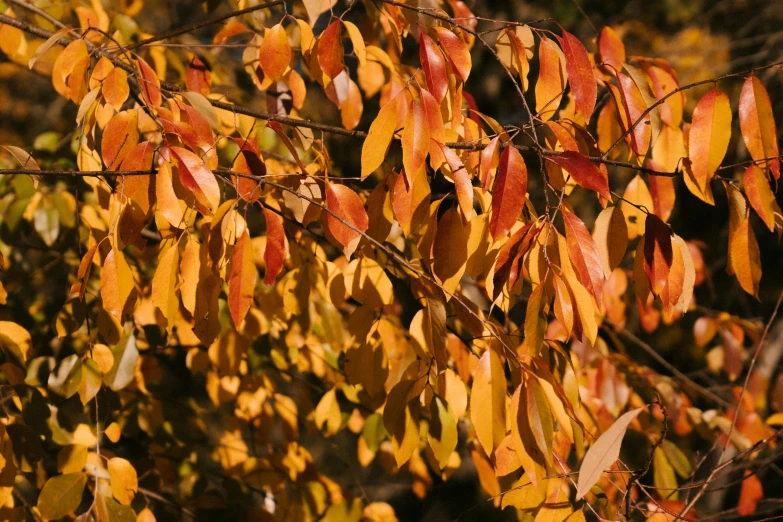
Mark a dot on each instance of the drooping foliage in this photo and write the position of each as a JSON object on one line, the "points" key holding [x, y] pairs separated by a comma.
{"points": [[232, 292]]}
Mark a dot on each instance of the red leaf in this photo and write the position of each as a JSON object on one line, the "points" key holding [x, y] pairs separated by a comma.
{"points": [[249, 162], [197, 178], [580, 74], [434, 66], [658, 255], [198, 78], [508, 193], [330, 50], [584, 255], [275, 252], [457, 52], [346, 216], [584, 171]]}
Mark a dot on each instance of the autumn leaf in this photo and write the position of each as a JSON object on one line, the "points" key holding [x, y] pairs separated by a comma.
{"points": [[242, 283], [275, 52], [508, 192], [583, 171], [745, 257], [584, 254], [197, 178], [149, 83], [345, 218], [760, 196], [415, 139], [379, 137], [580, 74], [61, 495], [488, 401], [330, 50], [603, 453], [120, 136], [709, 140], [658, 254], [758, 125], [456, 51], [116, 282], [551, 79], [275, 252], [434, 66]]}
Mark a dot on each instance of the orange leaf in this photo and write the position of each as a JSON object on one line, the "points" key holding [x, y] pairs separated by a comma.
{"points": [[242, 282], [449, 251], [603, 453], [346, 218], [584, 171], [330, 50], [580, 74], [456, 51], [490, 157], [249, 162], [115, 88], [745, 257], [275, 52], [415, 139], [758, 125], [508, 193], [116, 282], [751, 493], [198, 78], [658, 255], [634, 106], [462, 182], [584, 254], [196, 177], [709, 137], [275, 252], [551, 79], [760, 195], [119, 137], [410, 200], [434, 66], [149, 83], [611, 48]]}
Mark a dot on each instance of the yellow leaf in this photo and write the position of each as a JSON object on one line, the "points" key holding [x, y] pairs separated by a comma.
{"points": [[164, 285], [450, 251], [379, 137], [488, 401], [636, 193], [124, 482], [327, 414], [116, 282]]}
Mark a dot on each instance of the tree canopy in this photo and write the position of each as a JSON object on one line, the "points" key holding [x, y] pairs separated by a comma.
{"points": [[319, 260]]}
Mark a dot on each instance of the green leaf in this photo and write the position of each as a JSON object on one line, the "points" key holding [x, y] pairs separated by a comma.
{"points": [[61, 495]]}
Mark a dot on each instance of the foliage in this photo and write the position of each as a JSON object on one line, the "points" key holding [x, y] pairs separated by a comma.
{"points": [[230, 293]]}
